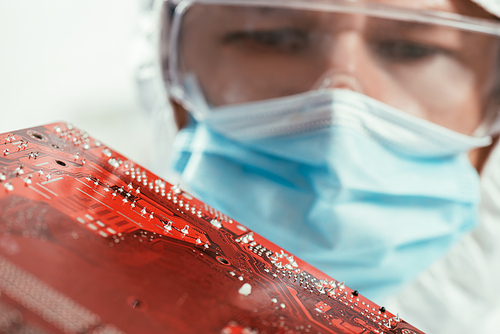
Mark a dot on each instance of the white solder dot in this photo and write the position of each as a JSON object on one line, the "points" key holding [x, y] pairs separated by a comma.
{"points": [[245, 290], [242, 228], [113, 162]]}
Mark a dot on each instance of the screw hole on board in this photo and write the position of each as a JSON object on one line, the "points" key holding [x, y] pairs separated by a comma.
{"points": [[36, 135], [223, 261], [61, 163], [137, 303]]}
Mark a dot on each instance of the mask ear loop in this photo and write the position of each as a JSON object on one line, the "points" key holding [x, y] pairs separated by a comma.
{"points": [[490, 126], [200, 108]]}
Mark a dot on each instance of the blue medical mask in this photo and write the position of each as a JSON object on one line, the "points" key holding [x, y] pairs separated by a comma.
{"points": [[367, 194]]}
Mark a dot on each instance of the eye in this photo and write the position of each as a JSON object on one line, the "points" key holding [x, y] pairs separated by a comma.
{"points": [[405, 51], [277, 40]]}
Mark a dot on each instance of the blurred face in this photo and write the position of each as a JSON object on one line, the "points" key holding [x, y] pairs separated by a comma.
{"points": [[244, 54]]}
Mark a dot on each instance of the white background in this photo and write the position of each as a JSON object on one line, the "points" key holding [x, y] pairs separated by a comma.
{"points": [[69, 60]]}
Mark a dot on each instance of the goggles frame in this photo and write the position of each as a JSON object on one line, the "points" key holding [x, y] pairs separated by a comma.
{"points": [[177, 8]]}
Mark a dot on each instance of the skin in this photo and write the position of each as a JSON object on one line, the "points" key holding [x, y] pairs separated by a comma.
{"points": [[459, 103]]}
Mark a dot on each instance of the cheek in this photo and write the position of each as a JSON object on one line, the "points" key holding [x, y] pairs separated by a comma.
{"points": [[267, 77], [459, 104], [199, 57], [442, 91], [231, 77]]}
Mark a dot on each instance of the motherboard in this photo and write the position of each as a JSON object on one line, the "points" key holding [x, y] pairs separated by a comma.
{"points": [[91, 242]]}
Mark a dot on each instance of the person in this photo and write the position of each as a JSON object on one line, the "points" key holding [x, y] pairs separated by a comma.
{"points": [[357, 135]]}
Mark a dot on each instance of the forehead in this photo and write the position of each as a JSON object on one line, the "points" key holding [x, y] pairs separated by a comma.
{"points": [[463, 7]]}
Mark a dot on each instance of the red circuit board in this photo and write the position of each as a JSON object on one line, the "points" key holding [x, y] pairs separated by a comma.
{"points": [[91, 242]]}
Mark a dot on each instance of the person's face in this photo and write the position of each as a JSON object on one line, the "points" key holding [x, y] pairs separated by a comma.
{"points": [[444, 75]]}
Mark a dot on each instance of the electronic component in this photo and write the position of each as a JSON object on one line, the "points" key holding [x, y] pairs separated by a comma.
{"points": [[91, 242]]}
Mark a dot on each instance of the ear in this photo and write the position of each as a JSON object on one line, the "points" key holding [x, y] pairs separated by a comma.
{"points": [[180, 114]]}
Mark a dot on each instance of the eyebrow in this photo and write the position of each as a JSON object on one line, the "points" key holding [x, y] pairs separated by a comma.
{"points": [[408, 25]]}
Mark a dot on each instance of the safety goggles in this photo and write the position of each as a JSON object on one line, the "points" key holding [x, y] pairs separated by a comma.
{"points": [[439, 66]]}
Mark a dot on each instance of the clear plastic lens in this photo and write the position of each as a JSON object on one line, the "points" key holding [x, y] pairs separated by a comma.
{"points": [[240, 54]]}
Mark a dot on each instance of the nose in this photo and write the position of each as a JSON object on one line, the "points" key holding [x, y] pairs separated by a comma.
{"points": [[339, 79], [348, 63]]}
